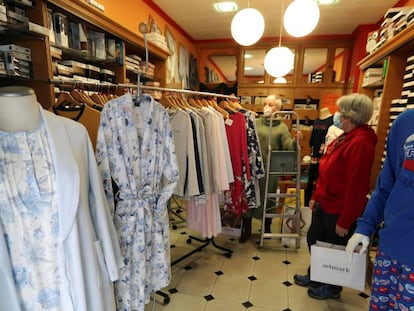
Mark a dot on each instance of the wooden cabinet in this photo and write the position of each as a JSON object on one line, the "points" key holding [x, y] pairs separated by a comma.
{"points": [[318, 66], [394, 54], [79, 12]]}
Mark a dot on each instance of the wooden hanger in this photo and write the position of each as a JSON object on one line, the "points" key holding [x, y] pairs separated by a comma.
{"points": [[223, 112], [183, 102], [84, 98], [97, 99], [236, 105], [68, 107], [66, 100], [173, 102], [226, 106], [204, 102], [194, 103], [167, 102]]}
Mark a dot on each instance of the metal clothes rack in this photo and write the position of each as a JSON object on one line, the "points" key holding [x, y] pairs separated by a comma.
{"points": [[117, 86], [207, 241], [176, 212], [143, 28]]}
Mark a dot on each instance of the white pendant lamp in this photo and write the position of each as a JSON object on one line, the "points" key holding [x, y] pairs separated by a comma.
{"points": [[301, 17], [280, 80], [279, 61], [247, 26]]}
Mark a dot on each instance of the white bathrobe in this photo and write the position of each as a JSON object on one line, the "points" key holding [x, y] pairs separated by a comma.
{"points": [[88, 248]]}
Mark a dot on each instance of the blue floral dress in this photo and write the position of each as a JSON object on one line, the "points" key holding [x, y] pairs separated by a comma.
{"points": [[29, 217], [135, 152]]}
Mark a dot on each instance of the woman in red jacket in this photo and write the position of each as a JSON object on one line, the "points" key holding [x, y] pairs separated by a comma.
{"points": [[343, 184]]}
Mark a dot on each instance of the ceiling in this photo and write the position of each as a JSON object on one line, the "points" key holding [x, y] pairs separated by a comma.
{"points": [[201, 22]]}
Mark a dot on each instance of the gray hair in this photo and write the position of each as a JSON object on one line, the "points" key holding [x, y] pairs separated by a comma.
{"points": [[275, 100], [357, 107]]}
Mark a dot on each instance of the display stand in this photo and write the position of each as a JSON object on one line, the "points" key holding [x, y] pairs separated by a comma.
{"points": [[85, 85], [207, 241], [175, 211]]}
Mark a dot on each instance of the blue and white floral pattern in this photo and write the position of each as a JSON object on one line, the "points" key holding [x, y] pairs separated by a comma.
{"points": [[29, 217], [135, 151]]}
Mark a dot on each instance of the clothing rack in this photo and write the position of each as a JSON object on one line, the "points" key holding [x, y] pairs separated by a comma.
{"points": [[102, 86], [207, 241], [96, 86]]}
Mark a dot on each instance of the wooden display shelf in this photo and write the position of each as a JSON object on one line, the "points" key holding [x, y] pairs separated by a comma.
{"points": [[88, 13], [400, 43]]}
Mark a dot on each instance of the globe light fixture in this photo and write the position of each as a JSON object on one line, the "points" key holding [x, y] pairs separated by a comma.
{"points": [[279, 61], [280, 80], [247, 26], [301, 17]]}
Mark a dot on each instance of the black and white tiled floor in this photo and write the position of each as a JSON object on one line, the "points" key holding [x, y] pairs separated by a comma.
{"points": [[251, 279]]}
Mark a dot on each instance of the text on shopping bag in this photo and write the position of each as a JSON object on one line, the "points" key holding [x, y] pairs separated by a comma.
{"points": [[329, 264]]}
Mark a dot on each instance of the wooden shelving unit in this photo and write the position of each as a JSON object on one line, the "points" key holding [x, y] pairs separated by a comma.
{"points": [[78, 11], [395, 51]]}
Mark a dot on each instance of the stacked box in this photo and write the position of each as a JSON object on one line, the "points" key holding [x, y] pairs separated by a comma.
{"points": [[17, 60]]}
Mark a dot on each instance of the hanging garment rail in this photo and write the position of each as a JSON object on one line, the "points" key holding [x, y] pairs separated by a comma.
{"points": [[102, 86]]}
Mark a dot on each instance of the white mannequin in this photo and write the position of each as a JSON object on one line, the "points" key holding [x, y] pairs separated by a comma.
{"points": [[324, 113], [19, 109]]}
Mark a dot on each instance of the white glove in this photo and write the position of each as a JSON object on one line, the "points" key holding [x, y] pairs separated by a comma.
{"points": [[353, 244]]}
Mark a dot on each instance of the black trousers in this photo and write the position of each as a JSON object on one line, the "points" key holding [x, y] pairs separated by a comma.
{"points": [[312, 177], [322, 229]]}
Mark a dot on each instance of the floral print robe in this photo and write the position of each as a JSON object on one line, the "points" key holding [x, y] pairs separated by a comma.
{"points": [[135, 152]]}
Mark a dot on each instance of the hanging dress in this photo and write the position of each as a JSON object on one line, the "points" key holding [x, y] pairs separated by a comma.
{"points": [[29, 217], [135, 152]]}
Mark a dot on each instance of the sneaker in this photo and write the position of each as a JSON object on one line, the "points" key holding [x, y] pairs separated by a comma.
{"points": [[323, 292], [304, 280]]}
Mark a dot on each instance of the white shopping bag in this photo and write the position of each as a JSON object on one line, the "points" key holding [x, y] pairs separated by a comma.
{"points": [[329, 264]]}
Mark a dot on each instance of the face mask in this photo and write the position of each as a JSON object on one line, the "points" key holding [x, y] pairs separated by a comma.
{"points": [[267, 111], [337, 119]]}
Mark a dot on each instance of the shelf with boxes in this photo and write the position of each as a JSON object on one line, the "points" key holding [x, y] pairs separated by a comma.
{"points": [[106, 44], [396, 95], [22, 29], [16, 34], [82, 52], [73, 42], [15, 61]]}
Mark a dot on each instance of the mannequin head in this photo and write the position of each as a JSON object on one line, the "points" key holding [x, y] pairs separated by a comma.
{"points": [[272, 104], [20, 110]]}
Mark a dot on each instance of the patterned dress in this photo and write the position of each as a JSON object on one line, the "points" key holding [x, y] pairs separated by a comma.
{"points": [[29, 217], [135, 152], [255, 158]]}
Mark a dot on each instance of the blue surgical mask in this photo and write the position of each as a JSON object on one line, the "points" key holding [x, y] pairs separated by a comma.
{"points": [[337, 119]]}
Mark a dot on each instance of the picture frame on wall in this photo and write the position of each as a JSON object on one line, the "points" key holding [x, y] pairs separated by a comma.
{"points": [[172, 60]]}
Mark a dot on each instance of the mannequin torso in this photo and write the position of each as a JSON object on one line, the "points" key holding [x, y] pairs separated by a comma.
{"points": [[19, 109]]}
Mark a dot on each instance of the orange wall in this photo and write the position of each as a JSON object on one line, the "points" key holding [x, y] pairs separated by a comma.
{"points": [[130, 13]]}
